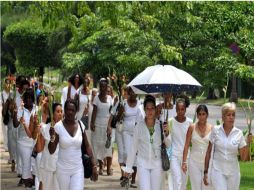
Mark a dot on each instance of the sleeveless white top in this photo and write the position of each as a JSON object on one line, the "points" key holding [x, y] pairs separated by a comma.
{"points": [[69, 155], [130, 114], [199, 146], [103, 111]]}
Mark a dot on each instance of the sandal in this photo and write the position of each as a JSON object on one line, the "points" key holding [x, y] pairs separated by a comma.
{"points": [[110, 172], [21, 182], [100, 171], [13, 166]]}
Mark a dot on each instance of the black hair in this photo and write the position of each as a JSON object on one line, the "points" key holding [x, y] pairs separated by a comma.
{"points": [[72, 79], [202, 107], [29, 93], [54, 106], [24, 82], [149, 98], [183, 99], [129, 89], [20, 78], [70, 101]]}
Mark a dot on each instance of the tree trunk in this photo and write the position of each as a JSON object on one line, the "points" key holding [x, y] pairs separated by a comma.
{"points": [[211, 94], [233, 95]]}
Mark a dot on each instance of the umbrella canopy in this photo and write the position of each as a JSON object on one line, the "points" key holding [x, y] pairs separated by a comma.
{"points": [[163, 78]]}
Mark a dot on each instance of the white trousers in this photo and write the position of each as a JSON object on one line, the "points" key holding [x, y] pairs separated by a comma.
{"points": [[196, 172], [49, 180], [150, 179], [25, 154], [128, 142], [120, 146], [179, 178], [18, 160], [12, 142], [5, 136], [225, 182], [71, 181], [170, 180]]}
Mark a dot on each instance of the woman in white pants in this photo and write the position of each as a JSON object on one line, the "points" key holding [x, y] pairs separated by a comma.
{"points": [[166, 110], [68, 133], [130, 110], [25, 144], [147, 142], [180, 125], [228, 141], [198, 135]]}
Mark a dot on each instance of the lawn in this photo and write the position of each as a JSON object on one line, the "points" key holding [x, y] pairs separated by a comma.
{"points": [[247, 175]]}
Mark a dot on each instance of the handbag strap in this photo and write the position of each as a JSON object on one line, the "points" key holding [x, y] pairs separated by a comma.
{"points": [[84, 138], [162, 137]]}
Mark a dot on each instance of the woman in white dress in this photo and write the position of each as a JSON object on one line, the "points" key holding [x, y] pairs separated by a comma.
{"points": [[227, 141], [48, 161], [147, 142], [198, 135], [180, 125], [99, 125], [68, 133]]}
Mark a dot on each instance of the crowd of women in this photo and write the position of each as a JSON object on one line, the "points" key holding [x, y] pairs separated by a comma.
{"points": [[45, 138]]}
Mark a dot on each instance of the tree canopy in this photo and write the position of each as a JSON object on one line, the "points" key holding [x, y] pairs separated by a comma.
{"points": [[210, 40]]}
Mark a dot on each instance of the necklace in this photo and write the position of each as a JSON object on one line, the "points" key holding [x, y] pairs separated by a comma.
{"points": [[151, 132], [202, 130]]}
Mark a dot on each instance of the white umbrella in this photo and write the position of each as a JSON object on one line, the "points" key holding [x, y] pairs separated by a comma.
{"points": [[163, 78]]}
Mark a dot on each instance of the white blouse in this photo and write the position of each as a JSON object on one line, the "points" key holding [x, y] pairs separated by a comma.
{"points": [[69, 156], [149, 154], [48, 161], [23, 139], [73, 91], [226, 149]]}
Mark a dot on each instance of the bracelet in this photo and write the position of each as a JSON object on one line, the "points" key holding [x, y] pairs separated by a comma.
{"points": [[205, 172], [184, 162]]}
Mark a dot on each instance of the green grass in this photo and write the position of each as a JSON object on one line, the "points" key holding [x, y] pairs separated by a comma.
{"points": [[247, 175]]}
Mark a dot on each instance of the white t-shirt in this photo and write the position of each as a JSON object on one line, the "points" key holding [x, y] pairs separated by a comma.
{"points": [[170, 112], [23, 139], [178, 135], [130, 114], [72, 93], [226, 149], [103, 111], [48, 161], [69, 155]]}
